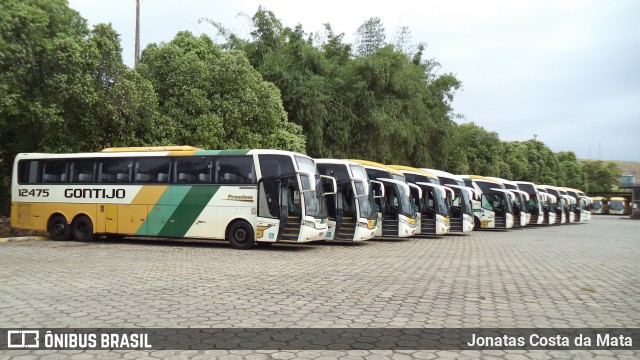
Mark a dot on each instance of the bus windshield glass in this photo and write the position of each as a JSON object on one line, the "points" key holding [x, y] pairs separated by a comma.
{"points": [[313, 201], [405, 205], [466, 205], [359, 172], [616, 205], [364, 202]]}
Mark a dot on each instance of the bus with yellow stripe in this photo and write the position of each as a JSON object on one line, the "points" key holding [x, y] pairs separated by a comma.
{"points": [[352, 216], [435, 216], [242, 196], [396, 213]]}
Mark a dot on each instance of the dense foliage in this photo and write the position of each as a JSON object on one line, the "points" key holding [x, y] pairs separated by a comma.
{"points": [[64, 88]]}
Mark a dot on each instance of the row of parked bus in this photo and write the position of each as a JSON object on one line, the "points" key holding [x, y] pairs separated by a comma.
{"points": [[615, 205], [250, 197]]}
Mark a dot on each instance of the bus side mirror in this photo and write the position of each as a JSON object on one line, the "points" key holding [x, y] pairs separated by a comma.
{"points": [[329, 185], [311, 180], [377, 189]]}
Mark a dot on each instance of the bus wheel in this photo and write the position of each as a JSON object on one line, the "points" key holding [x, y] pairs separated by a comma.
{"points": [[476, 223], [82, 228], [58, 228], [240, 235]]}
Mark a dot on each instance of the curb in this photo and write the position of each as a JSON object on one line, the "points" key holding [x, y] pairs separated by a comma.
{"points": [[22, 238]]}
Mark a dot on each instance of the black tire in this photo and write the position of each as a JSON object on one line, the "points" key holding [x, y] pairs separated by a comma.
{"points": [[58, 228], [82, 228], [476, 223], [240, 235]]}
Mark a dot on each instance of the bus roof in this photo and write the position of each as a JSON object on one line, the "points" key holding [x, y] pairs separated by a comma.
{"points": [[478, 177], [378, 165], [152, 148], [600, 198], [617, 198], [412, 169]]}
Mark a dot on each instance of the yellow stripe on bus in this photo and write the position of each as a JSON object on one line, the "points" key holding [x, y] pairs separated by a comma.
{"points": [[149, 195]]}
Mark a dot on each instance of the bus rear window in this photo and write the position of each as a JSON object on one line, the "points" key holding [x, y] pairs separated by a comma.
{"points": [[29, 172]]}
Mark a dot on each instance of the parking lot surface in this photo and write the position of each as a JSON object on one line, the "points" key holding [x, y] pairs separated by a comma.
{"points": [[573, 276]]}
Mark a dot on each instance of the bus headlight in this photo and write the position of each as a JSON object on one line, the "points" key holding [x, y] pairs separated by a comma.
{"points": [[308, 223], [362, 224]]}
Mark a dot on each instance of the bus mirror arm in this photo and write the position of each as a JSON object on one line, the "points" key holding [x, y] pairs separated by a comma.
{"points": [[330, 180], [380, 188]]}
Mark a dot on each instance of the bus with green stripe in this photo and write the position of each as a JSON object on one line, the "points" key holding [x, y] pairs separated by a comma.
{"points": [[246, 197]]}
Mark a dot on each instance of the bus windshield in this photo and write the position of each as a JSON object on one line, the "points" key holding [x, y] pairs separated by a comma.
{"points": [[405, 205], [364, 201], [359, 172], [313, 202], [616, 204], [466, 205], [596, 204]]}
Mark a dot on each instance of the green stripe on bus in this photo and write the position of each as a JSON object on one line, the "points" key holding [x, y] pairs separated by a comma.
{"points": [[163, 209], [222, 152], [187, 212]]}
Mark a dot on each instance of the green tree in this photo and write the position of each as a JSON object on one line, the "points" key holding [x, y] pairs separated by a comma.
{"points": [[370, 36], [515, 162], [571, 173], [600, 176], [481, 148], [215, 99]]}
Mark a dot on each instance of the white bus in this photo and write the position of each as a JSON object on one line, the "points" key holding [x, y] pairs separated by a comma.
{"points": [[560, 204], [352, 216], [617, 205], [521, 211], [598, 205], [549, 206], [396, 213], [497, 211], [242, 196], [434, 209], [536, 202]]}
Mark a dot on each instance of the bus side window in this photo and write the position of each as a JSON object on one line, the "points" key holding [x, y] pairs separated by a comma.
{"points": [[193, 170], [115, 170], [485, 202], [30, 171], [82, 171], [152, 170], [54, 171], [235, 170]]}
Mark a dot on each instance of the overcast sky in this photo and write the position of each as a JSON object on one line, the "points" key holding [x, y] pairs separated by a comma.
{"points": [[567, 71]]}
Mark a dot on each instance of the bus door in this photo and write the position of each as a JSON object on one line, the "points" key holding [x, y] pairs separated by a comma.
{"points": [[417, 204], [502, 207], [377, 191], [342, 211], [279, 209], [461, 208], [525, 210], [333, 205], [487, 213], [433, 207], [398, 217]]}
